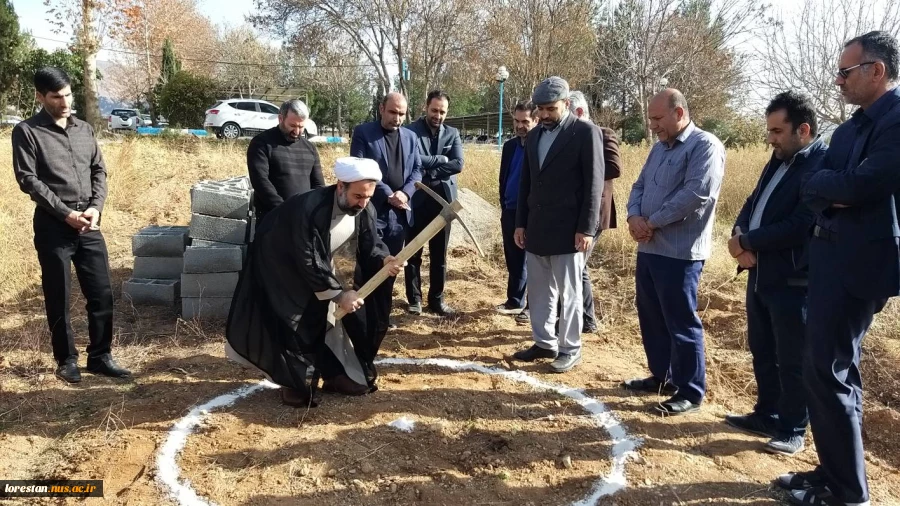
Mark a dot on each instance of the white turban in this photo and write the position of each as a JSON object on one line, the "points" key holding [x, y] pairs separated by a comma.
{"points": [[350, 169]]}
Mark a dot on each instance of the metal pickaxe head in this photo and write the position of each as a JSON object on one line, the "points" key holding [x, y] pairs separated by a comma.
{"points": [[450, 212]]}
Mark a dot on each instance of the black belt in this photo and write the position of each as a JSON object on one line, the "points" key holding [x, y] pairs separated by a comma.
{"points": [[824, 233], [77, 206]]}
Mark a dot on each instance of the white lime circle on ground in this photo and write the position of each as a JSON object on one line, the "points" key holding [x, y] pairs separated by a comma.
{"points": [[623, 446]]}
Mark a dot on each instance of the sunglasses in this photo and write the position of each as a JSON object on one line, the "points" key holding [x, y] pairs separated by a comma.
{"points": [[845, 72]]}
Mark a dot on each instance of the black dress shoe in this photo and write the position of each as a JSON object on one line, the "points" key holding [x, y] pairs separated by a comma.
{"points": [[754, 423], [297, 398], [107, 367], [441, 309], [677, 405], [651, 385], [69, 372], [589, 328], [342, 384], [534, 353]]}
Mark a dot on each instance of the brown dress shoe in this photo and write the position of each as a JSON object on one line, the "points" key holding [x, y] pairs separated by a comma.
{"points": [[342, 384], [296, 398]]}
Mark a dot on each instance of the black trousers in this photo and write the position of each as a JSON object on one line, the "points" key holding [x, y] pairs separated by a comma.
{"points": [[837, 322], [587, 292], [425, 211], [393, 230], [515, 261], [776, 330], [58, 247]]}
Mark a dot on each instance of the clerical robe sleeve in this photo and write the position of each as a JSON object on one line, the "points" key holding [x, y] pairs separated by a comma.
{"points": [[372, 250], [314, 259]]}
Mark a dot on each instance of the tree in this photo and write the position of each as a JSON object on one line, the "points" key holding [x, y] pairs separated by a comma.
{"points": [[147, 24], [13, 44], [91, 21], [171, 65], [536, 39], [686, 44], [185, 99], [376, 29], [803, 51], [252, 64]]}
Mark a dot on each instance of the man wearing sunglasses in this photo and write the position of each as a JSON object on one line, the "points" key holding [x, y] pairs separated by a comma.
{"points": [[854, 266]]}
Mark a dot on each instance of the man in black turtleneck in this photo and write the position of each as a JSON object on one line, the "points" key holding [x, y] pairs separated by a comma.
{"points": [[281, 162], [395, 150]]}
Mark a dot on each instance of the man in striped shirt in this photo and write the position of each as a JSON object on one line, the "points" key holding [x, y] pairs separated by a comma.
{"points": [[671, 212]]}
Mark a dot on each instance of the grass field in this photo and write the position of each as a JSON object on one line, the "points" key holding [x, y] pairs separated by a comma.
{"points": [[149, 183]]}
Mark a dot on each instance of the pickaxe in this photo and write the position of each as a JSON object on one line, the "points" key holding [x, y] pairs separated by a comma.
{"points": [[449, 212]]}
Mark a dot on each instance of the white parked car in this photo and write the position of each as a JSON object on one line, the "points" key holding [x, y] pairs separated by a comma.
{"points": [[124, 119], [238, 117], [9, 121]]}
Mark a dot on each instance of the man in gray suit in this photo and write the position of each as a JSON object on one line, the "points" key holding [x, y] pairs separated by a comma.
{"points": [[440, 149], [556, 220]]}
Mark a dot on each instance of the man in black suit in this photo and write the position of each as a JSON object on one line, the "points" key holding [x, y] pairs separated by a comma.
{"points": [[440, 149], [281, 162], [854, 266], [770, 239], [557, 217]]}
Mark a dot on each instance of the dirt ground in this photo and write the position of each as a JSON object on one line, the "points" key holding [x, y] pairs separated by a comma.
{"points": [[478, 440]]}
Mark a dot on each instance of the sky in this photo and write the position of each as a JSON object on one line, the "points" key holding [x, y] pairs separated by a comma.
{"points": [[33, 17], [223, 13]]}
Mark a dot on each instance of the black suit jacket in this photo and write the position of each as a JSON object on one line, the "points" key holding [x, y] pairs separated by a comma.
{"points": [[782, 237], [561, 197], [439, 176], [860, 171]]}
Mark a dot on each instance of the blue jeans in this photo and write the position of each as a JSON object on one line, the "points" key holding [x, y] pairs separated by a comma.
{"points": [[670, 327]]}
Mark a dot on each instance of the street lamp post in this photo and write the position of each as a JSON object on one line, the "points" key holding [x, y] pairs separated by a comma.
{"points": [[501, 77]]}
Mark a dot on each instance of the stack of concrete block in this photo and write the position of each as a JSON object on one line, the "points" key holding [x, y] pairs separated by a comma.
{"points": [[158, 262], [221, 227]]}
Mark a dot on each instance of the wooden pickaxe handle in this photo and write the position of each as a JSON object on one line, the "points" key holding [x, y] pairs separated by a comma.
{"points": [[405, 254]]}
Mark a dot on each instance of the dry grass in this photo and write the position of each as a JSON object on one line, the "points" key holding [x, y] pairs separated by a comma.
{"points": [[149, 181]]}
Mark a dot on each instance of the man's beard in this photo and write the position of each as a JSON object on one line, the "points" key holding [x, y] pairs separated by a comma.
{"points": [[346, 208]]}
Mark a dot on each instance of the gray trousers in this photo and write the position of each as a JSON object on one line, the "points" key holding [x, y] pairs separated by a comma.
{"points": [[552, 280]]}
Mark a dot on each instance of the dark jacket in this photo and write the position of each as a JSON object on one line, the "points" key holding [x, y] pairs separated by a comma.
{"points": [[561, 197], [368, 142], [439, 176], [781, 241], [861, 171], [280, 169], [612, 163], [506, 155]]}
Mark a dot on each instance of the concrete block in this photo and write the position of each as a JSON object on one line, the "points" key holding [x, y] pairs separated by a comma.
{"points": [[212, 228], [207, 244], [240, 182], [220, 284], [209, 259], [158, 267], [157, 241], [151, 292], [205, 307], [217, 199]]}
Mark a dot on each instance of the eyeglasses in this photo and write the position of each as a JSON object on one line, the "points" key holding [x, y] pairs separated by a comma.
{"points": [[845, 72]]}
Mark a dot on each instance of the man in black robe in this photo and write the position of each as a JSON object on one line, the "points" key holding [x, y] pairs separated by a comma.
{"points": [[281, 320]]}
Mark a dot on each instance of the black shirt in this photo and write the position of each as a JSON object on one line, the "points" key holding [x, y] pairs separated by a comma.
{"points": [[60, 168], [395, 177], [280, 168]]}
